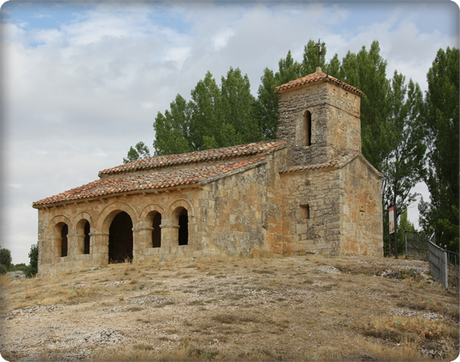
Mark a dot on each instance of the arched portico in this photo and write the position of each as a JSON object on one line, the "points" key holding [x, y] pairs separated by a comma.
{"points": [[84, 233], [115, 234], [59, 235], [121, 238]]}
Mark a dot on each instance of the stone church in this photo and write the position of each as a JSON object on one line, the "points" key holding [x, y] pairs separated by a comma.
{"points": [[310, 190]]}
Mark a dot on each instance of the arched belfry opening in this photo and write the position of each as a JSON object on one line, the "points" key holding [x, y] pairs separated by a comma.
{"points": [[307, 128], [156, 232], [183, 227], [121, 238]]}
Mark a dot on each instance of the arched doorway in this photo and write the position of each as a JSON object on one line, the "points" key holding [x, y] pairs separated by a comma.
{"points": [[121, 238]]}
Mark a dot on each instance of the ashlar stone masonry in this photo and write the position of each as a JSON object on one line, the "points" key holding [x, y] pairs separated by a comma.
{"points": [[310, 190]]}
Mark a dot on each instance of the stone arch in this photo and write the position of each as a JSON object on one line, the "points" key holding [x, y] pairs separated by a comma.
{"points": [[305, 129], [110, 211], [84, 232], [59, 227], [307, 124], [104, 223], [148, 209], [180, 215], [180, 203], [150, 220], [121, 239]]}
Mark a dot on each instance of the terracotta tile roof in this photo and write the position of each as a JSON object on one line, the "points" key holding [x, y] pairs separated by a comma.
{"points": [[316, 77], [337, 162], [225, 153], [162, 179]]}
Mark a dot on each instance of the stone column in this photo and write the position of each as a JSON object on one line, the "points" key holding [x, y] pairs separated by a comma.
{"points": [[169, 235], [142, 239], [100, 248]]}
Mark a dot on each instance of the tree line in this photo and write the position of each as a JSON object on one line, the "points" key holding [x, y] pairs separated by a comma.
{"points": [[409, 136], [6, 264]]}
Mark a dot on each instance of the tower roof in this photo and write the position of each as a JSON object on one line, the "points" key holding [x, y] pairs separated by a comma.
{"points": [[318, 77]]}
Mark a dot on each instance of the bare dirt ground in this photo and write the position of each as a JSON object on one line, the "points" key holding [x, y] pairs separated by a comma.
{"points": [[301, 308]]}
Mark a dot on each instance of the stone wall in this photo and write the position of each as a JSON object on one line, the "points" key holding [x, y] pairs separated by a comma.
{"points": [[224, 216], [100, 213], [232, 211], [362, 209], [335, 122], [310, 211]]}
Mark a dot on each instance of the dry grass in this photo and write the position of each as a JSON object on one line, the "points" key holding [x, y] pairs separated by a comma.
{"points": [[235, 309]]}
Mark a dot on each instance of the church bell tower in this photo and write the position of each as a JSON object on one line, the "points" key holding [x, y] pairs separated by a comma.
{"points": [[319, 117]]}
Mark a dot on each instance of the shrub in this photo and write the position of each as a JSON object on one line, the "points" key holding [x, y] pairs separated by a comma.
{"points": [[33, 259]]}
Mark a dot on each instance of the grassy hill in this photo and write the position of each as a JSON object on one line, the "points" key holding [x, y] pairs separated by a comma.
{"points": [[313, 308]]}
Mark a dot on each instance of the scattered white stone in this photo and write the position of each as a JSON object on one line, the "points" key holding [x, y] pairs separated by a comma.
{"points": [[328, 269]]}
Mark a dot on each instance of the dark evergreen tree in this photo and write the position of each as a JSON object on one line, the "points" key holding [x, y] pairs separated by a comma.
{"points": [[33, 261], [366, 71], [404, 165], [137, 152], [5, 257], [441, 123]]}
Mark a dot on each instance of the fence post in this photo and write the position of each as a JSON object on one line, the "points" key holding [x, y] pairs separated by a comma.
{"points": [[446, 270]]}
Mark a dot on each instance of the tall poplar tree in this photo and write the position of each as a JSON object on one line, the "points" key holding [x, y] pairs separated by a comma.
{"points": [[441, 122], [366, 70], [404, 165]]}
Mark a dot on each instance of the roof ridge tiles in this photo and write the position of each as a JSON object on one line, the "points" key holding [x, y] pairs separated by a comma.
{"points": [[317, 77], [196, 157], [201, 174], [336, 162]]}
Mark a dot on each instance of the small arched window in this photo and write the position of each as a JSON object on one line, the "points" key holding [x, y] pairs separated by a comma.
{"points": [[86, 238], [307, 128]]}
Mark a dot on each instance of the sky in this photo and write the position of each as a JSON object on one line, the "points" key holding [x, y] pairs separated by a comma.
{"points": [[84, 81]]}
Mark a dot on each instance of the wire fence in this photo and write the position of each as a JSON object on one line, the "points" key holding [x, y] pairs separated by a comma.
{"points": [[444, 264], [416, 245]]}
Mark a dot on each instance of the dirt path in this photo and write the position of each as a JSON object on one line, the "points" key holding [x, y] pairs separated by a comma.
{"points": [[296, 308]]}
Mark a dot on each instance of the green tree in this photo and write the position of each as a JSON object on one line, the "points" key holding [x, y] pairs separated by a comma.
{"points": [[5, 257], [266, 105], [404, 225], [441, 122], [216, 116], [312, 58], [33, 261], [404, 165], [366, 71], [172, 130], [137, 152], [237, 110]]}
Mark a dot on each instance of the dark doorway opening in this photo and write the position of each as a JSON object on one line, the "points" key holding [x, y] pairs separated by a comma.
{"points": [[121, 239], [156, 233], [86, 243], [183, 227], [64, 243]]}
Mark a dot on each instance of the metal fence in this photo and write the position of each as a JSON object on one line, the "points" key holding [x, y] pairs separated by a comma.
{"points": [[416, 245], [444, 264], [438, 264]]}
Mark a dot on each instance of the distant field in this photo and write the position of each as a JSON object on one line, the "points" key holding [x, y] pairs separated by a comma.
{"points": [[313, 308]]}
